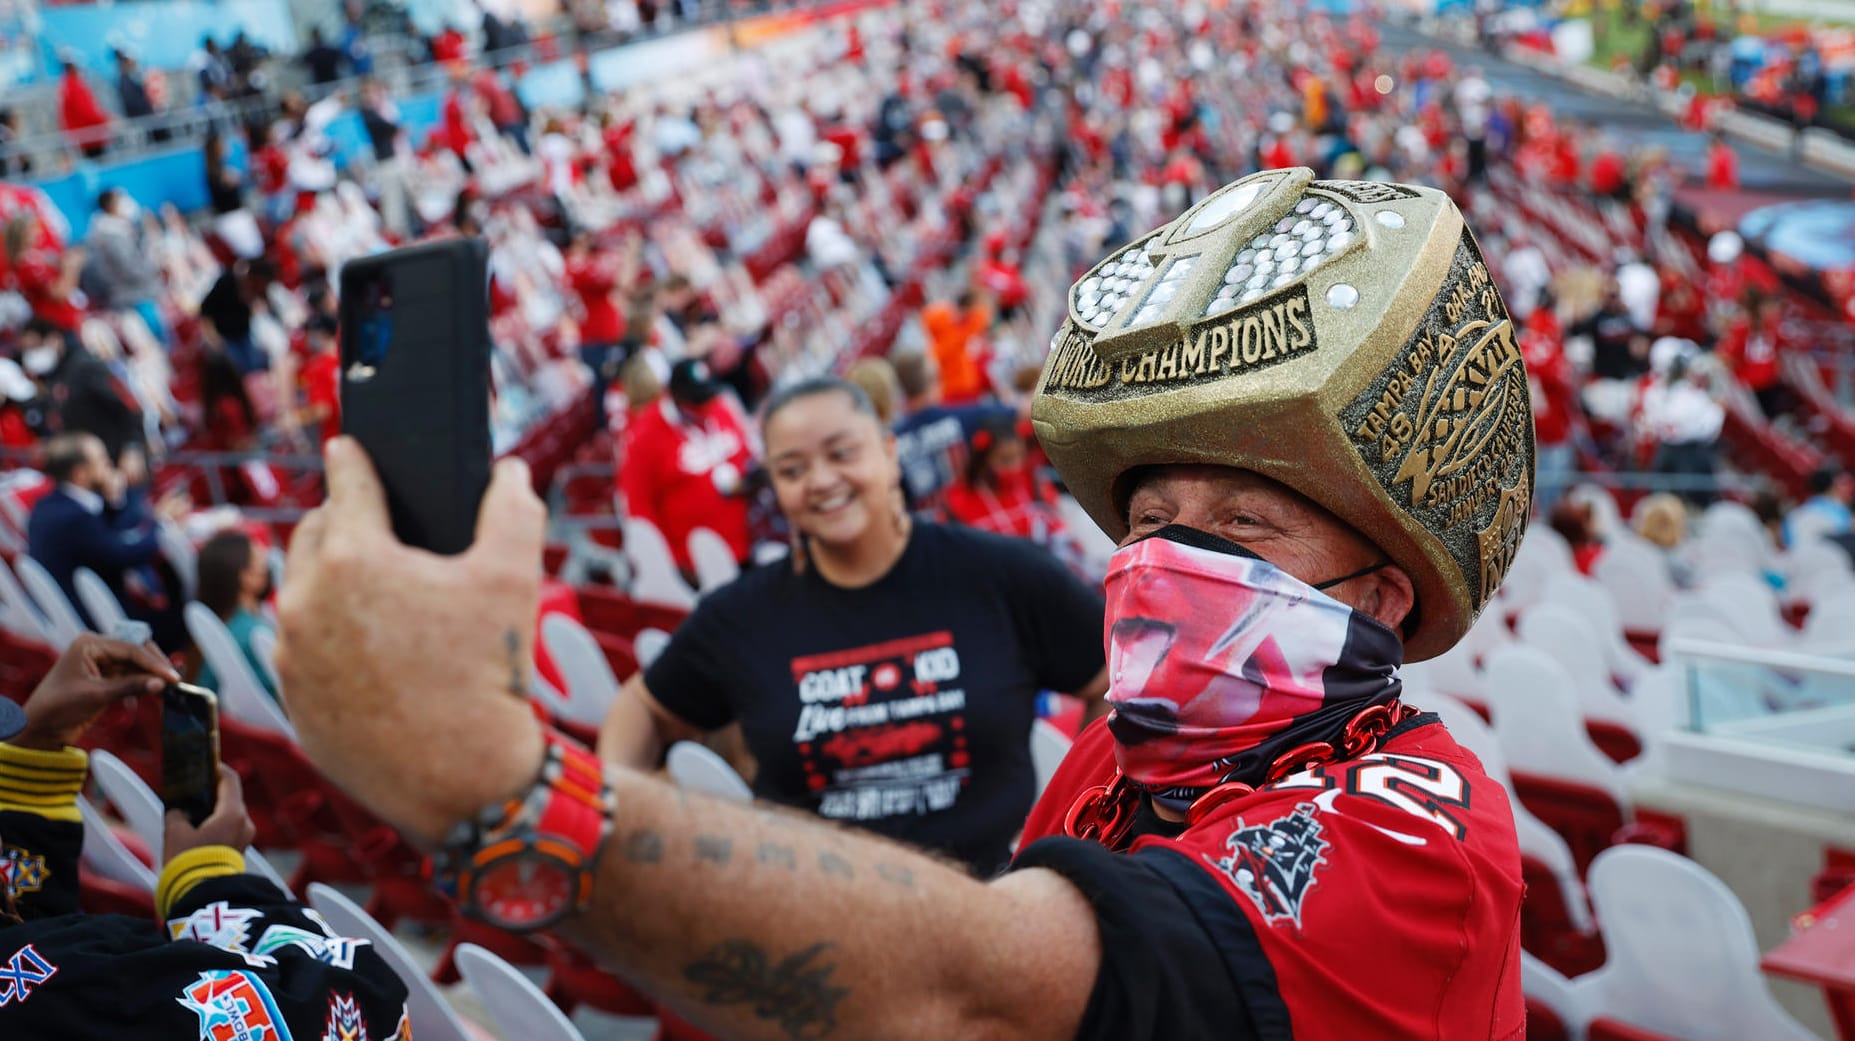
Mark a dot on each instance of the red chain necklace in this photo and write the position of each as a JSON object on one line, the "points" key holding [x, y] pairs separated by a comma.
{"points": [[1105, 813]]}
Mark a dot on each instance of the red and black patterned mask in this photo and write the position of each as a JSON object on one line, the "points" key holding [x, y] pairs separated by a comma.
{"points": [[1219, 661]]}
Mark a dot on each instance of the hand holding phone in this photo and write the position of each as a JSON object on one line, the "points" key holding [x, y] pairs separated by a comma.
{"points": [[189, 750]]}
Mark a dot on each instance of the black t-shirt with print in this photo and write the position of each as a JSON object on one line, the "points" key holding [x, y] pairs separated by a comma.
{"points": [[903, 707]]}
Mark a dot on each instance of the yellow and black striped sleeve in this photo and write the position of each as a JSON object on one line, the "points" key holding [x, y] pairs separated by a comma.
{"points": [[45, 784]]}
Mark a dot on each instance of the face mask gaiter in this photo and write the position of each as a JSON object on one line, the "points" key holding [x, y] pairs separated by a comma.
{"points": [[1225, 670]]}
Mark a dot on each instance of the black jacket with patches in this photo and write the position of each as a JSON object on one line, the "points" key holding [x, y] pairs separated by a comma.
{"points": [[234, 958]]}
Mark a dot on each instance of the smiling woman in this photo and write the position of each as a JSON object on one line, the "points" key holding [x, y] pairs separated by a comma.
{"points": [[886, 675]]}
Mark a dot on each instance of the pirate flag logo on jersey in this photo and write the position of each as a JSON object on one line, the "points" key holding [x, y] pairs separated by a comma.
{"points": [[1274, 863]]}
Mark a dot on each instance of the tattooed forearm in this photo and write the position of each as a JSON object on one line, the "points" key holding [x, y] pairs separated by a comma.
{"points": [[782, 856], [714, 849], [518, 669], [795, 993], [643, 847], [897, 874]]}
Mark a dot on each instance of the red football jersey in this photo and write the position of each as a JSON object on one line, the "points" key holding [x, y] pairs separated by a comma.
{"points": [[1384, 890]]}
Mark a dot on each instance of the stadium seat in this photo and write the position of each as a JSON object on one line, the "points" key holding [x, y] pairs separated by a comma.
{"points": [[1048, 747], [181, 556], [1571, 641], [241, 696], [264, 649], [655, 579], [591, 685], [1636, 575], [649, 644], [431, 1016], [1553, 1011], [1749, 602], [62, 623], [519, 1007], [141, 809], [1683, 963], [714, 561], [1593, 603], [106, 855], [701, 769], [100, 604], [21, 616]]}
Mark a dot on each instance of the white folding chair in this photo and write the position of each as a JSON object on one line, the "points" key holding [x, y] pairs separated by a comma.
{"points": [[1750, 603], [1680, 956], [1048, 747], [591, 686], [1537, 718], [241, 696], [1572, 642], [1816, 570], [700, 768], [1606, 519], [517, 1005], [430, 1015], [105, 854], [1636, 575], [1593, 603], [1537, 840], [264, 649], [100, 604], [1545, 984], [648, 644], [144, 813], [21, 615], [714, 561], [654, 577], [179, 551], [61, 619]]}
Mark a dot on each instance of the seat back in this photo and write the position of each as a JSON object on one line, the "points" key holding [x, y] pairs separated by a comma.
{"points": [[1590, 601], [142, 810], [518, 1006], [1561, 633], [591, 686], [701, 769], [1682, 957], [180, 554], [1048, 747], [1635, 574], [100, 604], [264, 649], [105, 855], [714, 560], [241, 696], [654, 577], [648, 644], [1750, 604], [1549, 990], [1537, 718], [427, 1010], [17, 611], [61, 620]]}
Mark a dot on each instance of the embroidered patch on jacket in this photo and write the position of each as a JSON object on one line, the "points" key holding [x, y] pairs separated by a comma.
{"points": [[22, 871], [1274, 864], [234, 1006], [336, 951], [218, 923], [22, 972], [344, 1020]]}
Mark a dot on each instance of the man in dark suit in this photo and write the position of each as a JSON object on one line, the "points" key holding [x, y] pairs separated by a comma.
{"points": [[90, 520]]}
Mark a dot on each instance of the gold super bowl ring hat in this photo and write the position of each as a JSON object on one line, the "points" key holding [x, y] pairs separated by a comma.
{"points": [[1341, 337]]}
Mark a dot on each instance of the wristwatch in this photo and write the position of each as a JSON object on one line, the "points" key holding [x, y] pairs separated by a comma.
{"points": [[524, 864]]}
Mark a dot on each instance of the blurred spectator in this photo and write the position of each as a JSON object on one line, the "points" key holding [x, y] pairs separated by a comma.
{"points": [[1825, 514], [83, 119], [503, 107], [235, 580], [380, 118], [875, 377], [226, 313], [132, 91], [930, 438], [1640, 289], [245, 54], [999, 491], [93, 519], [123, 261], [1575, 522], [320, 377], [1751, 348], [1662, 520], [322, 58], [354, 45], [233, 222], [955, 330], [686, 462], [213, 70], [1618, 351], [11, 165], [1683, 420], [594, 279], [1550, 383], [41, 273], [82, 396], [1722, 164]]}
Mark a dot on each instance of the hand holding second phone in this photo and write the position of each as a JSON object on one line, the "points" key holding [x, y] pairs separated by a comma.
{"points": [[406, 673], [90, 676]]}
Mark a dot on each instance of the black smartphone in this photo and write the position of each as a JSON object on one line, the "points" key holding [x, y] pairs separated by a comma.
{"points": [[415, 383], [190, 750]]}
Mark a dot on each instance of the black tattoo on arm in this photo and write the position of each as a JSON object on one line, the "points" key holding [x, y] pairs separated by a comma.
{"points": [[783, 856], [518, 669], [899, 874], [796, 993], [832, 864], [643, 847], [714, 849]]}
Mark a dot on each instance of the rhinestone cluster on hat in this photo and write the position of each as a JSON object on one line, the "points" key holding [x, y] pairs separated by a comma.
{"points": [[1313, 233], [1163, 291], [1104, 295]]}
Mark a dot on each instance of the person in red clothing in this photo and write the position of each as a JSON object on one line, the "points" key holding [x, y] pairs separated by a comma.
{"points": [[80, 115], [320, 377], [999, 492], [1550, 387], [40, 272], [1750, 350], [1001, 275], [595, 280], [1722, 165], [686, 462]]}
